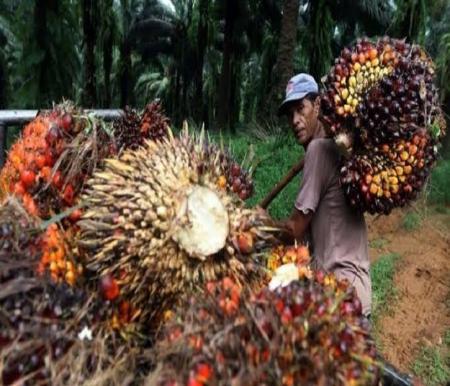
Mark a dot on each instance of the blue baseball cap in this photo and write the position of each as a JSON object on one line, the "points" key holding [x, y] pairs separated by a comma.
{"points": [[297, 88]]}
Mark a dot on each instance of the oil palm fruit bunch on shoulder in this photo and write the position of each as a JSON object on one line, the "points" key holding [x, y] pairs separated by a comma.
{"points": [[309, 332], [134, 128], [160, 222], [382, 107], [389, 176], [381, 91]]}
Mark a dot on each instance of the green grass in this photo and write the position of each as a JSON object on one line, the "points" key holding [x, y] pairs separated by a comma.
{"points": [[273, 157], [439, 186], [411, 221], [433, 363], [378, 243], [382, 275]]}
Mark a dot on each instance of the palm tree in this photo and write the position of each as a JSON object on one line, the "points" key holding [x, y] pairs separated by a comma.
{"points": [[45, 38], [285, 59], [334, 24], [90, 17]]}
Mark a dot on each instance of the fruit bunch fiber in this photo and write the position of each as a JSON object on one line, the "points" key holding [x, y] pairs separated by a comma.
{"points": [[382, 107], [309, 332]]}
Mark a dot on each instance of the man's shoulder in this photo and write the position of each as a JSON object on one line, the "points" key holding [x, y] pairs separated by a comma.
{"points": [[322, 146]]}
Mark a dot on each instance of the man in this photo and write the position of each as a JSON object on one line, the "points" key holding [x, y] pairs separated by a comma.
{"points": [[337, 233]]}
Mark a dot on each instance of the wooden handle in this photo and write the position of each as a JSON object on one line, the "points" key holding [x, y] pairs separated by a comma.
{"points": [[282, 183]]}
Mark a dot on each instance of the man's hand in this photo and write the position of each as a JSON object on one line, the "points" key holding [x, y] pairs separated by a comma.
{"points": [[294, 228], [298, 223]]}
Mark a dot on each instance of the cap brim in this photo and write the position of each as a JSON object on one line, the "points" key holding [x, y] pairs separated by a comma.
{"points": [[282, 110]]}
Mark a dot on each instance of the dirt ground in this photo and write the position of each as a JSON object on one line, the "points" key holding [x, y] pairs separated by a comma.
{"points": [[420, 314]]}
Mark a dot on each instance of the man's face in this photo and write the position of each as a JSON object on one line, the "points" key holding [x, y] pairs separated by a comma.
{"points": [[303, 117]]}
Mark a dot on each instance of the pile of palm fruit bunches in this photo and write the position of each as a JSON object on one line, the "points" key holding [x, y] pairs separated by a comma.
{"points": [[108, 230], [382, 107], [128, 249]]}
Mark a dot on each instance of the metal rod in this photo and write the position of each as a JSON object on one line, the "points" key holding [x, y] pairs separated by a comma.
{"points": [[17, 117], [3, 136]]}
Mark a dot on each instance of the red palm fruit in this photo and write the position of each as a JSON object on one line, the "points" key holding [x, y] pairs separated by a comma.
{"points": [[245, 242], [192, 381], [68, 194], [19, 189], [243, 194], [236, 185], [286, 316], [75, 215], [109, 287], [46, 173], [27, 177], [66, 121], [302, 252], [204, 372], [49, 161], [58, 180], [40, 161], [235, 170]]}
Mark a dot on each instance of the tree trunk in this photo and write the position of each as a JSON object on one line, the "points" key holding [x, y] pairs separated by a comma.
{"points": [[108, 52], [3, 83], [89, 30], [411, 24], [202, 39], [225, 102], [125, 58], [284, 65], [40, 32], [321, 27], [446, 140]]}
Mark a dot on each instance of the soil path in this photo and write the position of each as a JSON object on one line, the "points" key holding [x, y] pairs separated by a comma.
{"points": [[421, 313]]}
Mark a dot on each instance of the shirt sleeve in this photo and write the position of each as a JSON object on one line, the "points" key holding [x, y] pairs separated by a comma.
{"points": [[315, 177]]}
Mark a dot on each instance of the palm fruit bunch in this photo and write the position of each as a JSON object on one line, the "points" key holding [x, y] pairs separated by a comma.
{"points": [[382, 106], [235, 177], [309, 332], [391, 176], [27, 306], [159, 223], [41, 168], [46, 169], [57, 257], [133, 129], [281, 254]]}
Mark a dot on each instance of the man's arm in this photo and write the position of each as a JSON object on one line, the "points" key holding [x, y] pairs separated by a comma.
{"points": [[296, 225]]}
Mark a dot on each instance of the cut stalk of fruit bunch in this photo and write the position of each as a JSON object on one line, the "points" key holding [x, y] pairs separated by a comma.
{"points": [[160, 221]]}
